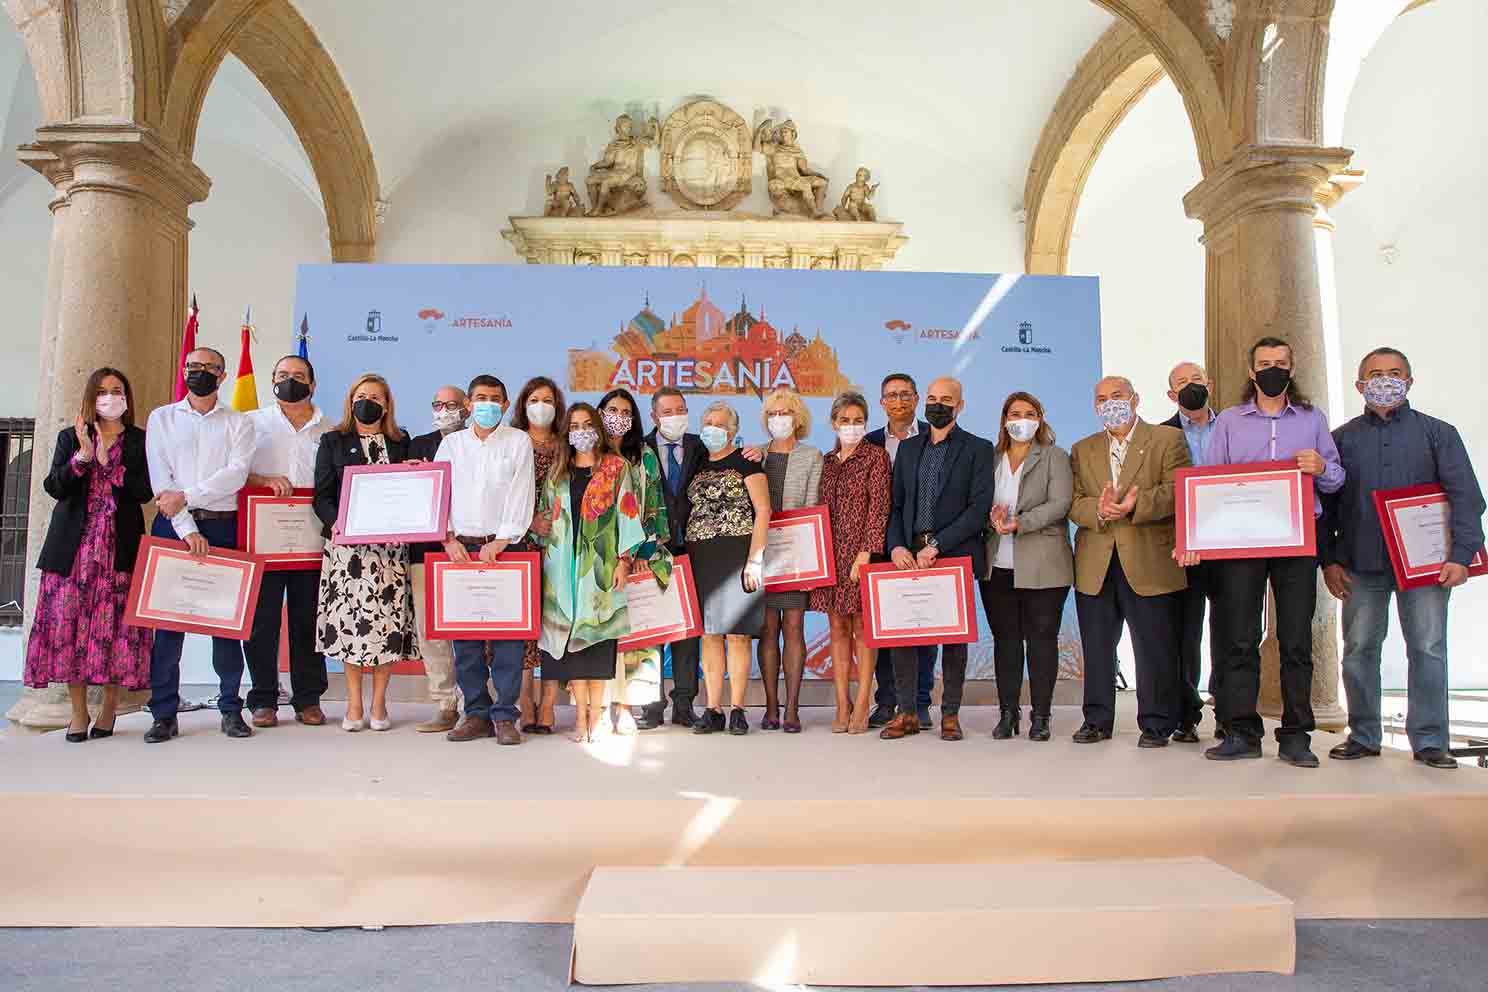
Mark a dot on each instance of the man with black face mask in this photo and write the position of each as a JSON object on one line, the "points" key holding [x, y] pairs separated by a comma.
{"points": [[287, 435], [199, 451]]}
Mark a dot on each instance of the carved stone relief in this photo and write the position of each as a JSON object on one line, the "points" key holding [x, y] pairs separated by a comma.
{"points": [[706, 156]]}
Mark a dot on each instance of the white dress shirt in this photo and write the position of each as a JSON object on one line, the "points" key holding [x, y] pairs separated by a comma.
{"points": [[204, 455], [1005, 494], [491, 482], [282, 449], [891, 442]]}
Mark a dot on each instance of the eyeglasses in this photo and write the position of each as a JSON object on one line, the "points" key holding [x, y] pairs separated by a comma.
{"points": [[200, 367], [439, 407], [902, 396], [282, 376]]}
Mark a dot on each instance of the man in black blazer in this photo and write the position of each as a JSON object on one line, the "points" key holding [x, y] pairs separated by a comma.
{"points": [[943, 492], [679, 453]]}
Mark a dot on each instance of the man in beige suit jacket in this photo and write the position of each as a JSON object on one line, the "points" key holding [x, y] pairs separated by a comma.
{"points": [[1124, 567]]}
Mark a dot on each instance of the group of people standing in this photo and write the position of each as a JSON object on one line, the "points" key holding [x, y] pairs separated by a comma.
{"points": [[601, 500]]}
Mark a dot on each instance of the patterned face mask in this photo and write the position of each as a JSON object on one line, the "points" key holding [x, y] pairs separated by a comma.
{"points": [[1385, 391], [616, 424], [1114, 413], [583, 438]]}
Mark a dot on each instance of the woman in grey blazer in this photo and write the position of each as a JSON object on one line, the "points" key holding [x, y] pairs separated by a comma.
{"points": [[1030, 567]]}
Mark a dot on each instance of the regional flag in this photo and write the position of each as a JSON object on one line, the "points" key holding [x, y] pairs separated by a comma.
{"points": [[304, 337], [245, 390], [188, 345]]}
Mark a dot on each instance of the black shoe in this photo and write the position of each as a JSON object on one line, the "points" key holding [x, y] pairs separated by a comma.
{"points": [[1352, 750], [1038, 728], [682, 714], [1220, 731], [1234, 748], [1298, 754], [1435, 757], [923, 713], [233, 725], [1149, 740], [647, 717], [880, 716], [162, 730], [77, 736], [1089, 733], [711, 722], [1185, 735], [737, 724], [1007, 726]]}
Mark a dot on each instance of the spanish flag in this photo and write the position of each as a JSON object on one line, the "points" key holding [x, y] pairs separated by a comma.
{"points": [[245, 390]]}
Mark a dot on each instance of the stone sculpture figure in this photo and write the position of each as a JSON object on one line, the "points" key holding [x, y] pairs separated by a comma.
{"points": [[563, 198], [855, 205], [795, 188], [617, 182]]}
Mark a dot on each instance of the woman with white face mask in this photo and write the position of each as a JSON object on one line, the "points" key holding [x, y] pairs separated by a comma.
{"points": [[539, 411], [1030, 566]]}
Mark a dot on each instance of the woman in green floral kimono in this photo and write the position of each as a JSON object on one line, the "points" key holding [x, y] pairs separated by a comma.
{"points": [[595, 537]]}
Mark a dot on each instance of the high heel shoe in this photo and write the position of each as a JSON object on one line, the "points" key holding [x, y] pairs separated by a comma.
{"points": [[77, 736], [1008, 726], [841, 722], [1038, 727], [99, 733], [383, 724], [352, 726]]}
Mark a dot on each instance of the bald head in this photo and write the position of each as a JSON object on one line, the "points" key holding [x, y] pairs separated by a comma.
{"points": [[449, 394], [941, 395], [1114, 387]]}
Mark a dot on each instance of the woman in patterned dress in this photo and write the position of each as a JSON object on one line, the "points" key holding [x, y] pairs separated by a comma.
{"points": [[539, 411], [365, 615], [857, 488], [99, 479]]}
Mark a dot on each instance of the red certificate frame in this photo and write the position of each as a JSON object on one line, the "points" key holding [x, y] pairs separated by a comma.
{"points": [[1388, 502], [152, 550], [963, 631], [250, 499], [1187, 481], [692, 614], [526, 628], [439, 470], [816, 518]]}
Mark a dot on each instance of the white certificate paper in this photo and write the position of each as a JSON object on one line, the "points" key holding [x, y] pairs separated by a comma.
{"points": [[286, 528], [391, 503], [194, 588], [912, 602], [792, 550], [1244, 514], [471, 596], [1425, 535], [652, 608]]}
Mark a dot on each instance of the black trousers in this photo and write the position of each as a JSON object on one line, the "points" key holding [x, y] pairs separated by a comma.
{"points": [[1153, 622], [307, 668], [1240, 595], [952, 674], [1191, 606], [684, 672], [1019, 619]]}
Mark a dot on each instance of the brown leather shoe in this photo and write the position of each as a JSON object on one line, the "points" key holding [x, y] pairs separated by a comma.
{"points": [[443, 721], [265, 718], [311, 716], [950, 726], [470, 729], [902, 725], [507, 733]]}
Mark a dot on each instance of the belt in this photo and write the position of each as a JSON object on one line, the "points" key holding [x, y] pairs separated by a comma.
{"points": [[213, 514], [487, 539]]}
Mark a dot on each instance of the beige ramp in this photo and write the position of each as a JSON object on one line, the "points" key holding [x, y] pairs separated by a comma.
{"points": [[971, 924]]}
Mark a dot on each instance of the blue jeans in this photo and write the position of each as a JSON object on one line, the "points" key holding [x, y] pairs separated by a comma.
{"points": [[504, 669], [165, 656], [1423, 621]]}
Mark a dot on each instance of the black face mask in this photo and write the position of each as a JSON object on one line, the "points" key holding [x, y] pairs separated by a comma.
{"points": [[1273, 381], [367, 412], [940, 414], [1193, 396], [291, 390], [201, 383]]}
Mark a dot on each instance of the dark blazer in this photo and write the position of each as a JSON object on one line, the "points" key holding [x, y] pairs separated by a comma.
{"points": [[966, 494], [424, 447], [1176, 420], [678, 507], [70, 515], [339, 449], [880, 435]]}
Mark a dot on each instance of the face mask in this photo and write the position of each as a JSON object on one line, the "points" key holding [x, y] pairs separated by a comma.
{"points": [[487, 414], [715, 439], [367, 412], [1193, 396], [202, 383], [851, 434], [110, 406], [939, 414], [448, 420], [1385, 391], [290, 390], [1273, 381], [583, 439], [540, 413], [616, 424], [1022, 430], [673, 427], [781, 426], [1114, 413]]}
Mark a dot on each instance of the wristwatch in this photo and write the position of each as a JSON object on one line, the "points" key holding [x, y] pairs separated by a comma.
{"points": [[932, 542]]}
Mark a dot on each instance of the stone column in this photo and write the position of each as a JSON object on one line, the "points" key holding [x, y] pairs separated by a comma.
{"points": [[116, 295], [1262, 278]]}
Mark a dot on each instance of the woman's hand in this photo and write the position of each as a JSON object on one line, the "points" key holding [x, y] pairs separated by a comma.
{"points": [[622, 573], [858, 562], [85, 440], [640, 567], [754, 574], [542, 525]]}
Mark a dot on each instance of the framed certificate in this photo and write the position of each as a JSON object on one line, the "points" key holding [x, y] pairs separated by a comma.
{"points": [[902, 608], [661, 616], [282, 530], [798, 552], [1418, 534], [172, 590], [394, 504], [483, 601], [1261, 510]]}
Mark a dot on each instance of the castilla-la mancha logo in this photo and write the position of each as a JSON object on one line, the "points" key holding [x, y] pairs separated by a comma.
{"points": [[1025, 343]]}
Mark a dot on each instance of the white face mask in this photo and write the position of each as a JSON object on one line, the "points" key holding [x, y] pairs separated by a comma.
{"points": [[672, 427], [851, 434], [1022, 430], [110, 406], [781, 426], [448, 420], [540, 413]]}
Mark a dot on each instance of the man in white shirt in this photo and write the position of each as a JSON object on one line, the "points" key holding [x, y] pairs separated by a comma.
{"points": [[199, 451], [286, 437], [491, 499]]}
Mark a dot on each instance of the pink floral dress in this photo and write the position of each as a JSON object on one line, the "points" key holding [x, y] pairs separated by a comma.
{"points": [[79, 635]]}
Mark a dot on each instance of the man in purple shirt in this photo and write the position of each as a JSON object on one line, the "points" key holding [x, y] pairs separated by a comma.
{"points": [[1274, 423]]}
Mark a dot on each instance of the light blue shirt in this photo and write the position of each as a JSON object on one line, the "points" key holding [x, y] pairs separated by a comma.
{"points": [[1197, 435]]}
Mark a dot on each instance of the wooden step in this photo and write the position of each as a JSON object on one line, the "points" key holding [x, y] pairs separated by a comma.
{"points": [[971, 924]]}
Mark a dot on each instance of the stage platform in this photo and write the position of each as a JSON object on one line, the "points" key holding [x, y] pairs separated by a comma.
{"points": [[317, 827]]}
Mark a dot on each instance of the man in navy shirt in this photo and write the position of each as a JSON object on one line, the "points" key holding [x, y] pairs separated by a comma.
{"points": [[1390, 446]]}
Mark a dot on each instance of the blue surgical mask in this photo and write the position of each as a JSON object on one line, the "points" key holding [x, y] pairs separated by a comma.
{"points": [[715, 439], [1114, 413], [1385, 391], [487, 414]]}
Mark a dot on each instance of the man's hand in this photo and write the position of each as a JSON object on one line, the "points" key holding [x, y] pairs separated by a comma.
{"points": [[1311, 462], [456, 552], [754, 454], [171, 503], [858, 563], [279, 484], [1115, 508], [1452, 576], [491, 550], [414, 461], [926, 556], [1105, 507], [1188, 559], [903, 560], [1337, 579], [198, 545]]}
